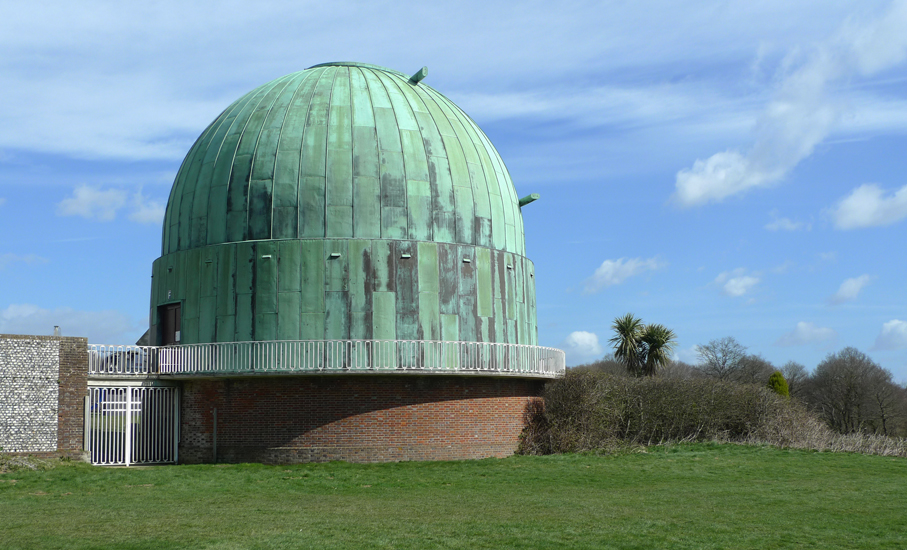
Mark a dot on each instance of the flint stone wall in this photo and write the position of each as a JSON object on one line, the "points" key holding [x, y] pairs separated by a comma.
{"points": [[42, 382]]}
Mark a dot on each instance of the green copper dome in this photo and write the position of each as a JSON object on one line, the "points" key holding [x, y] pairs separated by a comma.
{"points": [[343, 150], [344, 202]]}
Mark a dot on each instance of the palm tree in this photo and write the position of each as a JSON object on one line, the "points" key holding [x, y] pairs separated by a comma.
{"points": [[644, 349], [659, 343], [627, 342]]}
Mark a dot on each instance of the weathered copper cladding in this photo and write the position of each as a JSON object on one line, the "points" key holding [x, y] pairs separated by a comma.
{"points": [[346, 201]]}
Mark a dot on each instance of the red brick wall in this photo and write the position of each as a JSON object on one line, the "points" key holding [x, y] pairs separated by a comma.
{"points": [[73, 389], [353, 418]]}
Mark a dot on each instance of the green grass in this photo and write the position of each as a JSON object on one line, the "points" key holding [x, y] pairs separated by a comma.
{"points": [[689, 496]]}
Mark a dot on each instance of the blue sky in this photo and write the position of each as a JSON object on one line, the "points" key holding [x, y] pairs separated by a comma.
{"points": [[723, 168]]}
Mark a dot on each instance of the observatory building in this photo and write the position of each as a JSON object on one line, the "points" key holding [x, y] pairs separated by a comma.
{"points": [[343, 275]]}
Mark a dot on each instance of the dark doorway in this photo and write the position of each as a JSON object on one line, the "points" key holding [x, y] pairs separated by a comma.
{"points": [[170, 324]]}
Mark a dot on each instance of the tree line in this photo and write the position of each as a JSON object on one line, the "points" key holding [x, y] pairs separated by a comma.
{"points": [[849, 391]]}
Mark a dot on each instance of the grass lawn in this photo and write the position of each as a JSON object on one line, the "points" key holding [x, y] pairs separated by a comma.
{"points": [[688, 496]]}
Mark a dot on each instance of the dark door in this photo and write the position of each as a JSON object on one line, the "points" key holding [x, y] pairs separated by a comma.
{"points": [[170, 321]]}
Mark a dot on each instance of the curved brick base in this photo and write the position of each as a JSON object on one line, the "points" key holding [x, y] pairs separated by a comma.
{"points": [[353, 418]]}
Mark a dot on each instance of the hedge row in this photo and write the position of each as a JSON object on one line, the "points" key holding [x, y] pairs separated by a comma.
{"points": [[588, 411]]}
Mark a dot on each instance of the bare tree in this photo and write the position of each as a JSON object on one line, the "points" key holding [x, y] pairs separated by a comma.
{"points": [[754, 369], [679, 370], [854, 394], [796, 375], [721, 358], [607, 364], [888, 407]]}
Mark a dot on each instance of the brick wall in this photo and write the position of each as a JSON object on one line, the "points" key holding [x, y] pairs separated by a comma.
{"points": [[42, 382], [72, 391], [353, 418]]}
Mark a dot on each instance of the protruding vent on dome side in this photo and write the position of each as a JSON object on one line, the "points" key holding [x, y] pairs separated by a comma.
{"points": [[419, 76], [528, 199]]}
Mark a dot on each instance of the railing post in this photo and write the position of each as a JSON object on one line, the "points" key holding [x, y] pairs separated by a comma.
{"points": [[128, 424], [86, 427]]}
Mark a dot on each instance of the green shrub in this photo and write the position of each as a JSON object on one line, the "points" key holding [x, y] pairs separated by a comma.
{"points": [[592, 411], [778, 384]]}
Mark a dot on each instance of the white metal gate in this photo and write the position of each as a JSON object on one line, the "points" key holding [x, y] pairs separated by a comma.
{"points": [[132, 425]]}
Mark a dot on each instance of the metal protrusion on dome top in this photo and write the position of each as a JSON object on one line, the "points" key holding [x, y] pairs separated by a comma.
{"points": [[420, 74], [529, 198]]}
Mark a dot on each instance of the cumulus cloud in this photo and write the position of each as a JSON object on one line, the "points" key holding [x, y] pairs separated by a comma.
{"points": [[581, 346], [92, 203], [785, 224], [893, 335], [806, 333], [146, 210], [719, 177], [850, 289], [868, 206], [614, 272], [802, 113], [737, 282], [100, 327], [8, 259]]}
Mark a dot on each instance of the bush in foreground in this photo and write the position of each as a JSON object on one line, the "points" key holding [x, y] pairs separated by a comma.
{"points": [[590, 411]]}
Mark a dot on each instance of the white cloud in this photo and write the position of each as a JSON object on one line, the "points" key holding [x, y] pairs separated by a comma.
{"points": [[92, 203], [736, 283], [803, 112], [719, 177], [806, 333], [100, 327], [687, 355], [581, 346], [8, 259], [614, 272], [738, 286], [868, 206], [785, 224], [2, 201], [146, 211], [850, 289], [96, 203], [783, 268], [893, 335], [828, 256], [135, 105]]}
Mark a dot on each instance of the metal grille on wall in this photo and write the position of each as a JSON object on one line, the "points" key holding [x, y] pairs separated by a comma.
{"points": [[132, 425]]}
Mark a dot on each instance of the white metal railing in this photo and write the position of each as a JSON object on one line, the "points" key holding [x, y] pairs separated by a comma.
{"points": [[132, 425], [288, 356]]}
